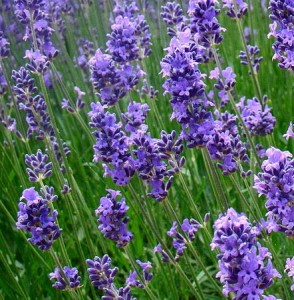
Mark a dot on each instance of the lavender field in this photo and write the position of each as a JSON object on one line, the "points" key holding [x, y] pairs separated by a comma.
{"points": [[146, 149]]}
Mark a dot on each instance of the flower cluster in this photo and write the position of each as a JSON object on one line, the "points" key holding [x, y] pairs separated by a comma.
{"points": [[39, 168], [36, 217], [37, 116], [245, 266], [102, 277], [33, 15], [114, 75], [289, 268], [112, 218], [203, 22], [235, 10], [172, 14], [282, 30], [254, 59], [180, 241], [289, 133], [66, 279], [257, 116], [276, 182]]}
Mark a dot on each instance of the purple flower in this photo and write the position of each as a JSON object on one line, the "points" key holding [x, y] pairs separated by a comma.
{"points": [[253, 58], [112, 218], [111, 145], [71, 281], [257, 116], [289, 268], [203, 22], [289, 133], [100, 272], [235, 10], [276, 182], [4, 46], [39, 168], [282, 30], [36, 217], [172, 13], [225, 79], [245, 266]]}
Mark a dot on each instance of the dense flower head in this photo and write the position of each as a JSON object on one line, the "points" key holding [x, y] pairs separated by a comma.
{"points": [[38, 169], [111, 145], [257, 116], [36, 217], [100, 272], [289, 268], [237, 9], [32, 13], [225, 144], [254, 59], [122, 41], [282, 29], [112, 218], [172, 13], [245, 266], [71, 281], [276, 182], [203, 22], [135, 118]]}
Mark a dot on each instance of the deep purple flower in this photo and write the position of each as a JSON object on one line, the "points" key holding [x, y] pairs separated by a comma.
{"points": [[237, 9], [111, 145], [276, 182], [71, 281], [203, 22], [172, 13], [257, 117], [100, 272], [254, 58], [112, 218], [39, 168], [245, 266], [36, 217], [282, 13]]}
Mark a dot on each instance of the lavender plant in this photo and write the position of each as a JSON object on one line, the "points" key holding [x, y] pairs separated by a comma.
{"points": [[177, 102]]}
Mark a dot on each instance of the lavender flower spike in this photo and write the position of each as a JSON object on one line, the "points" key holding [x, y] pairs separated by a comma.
{"points": [[289, 133], [71, 281], [100, 272], [39, 168], [36, 217], [245, 266], [112, 218]]}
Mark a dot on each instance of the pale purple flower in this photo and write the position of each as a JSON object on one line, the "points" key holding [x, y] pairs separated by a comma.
{"points": [[71, 281], [289, 268], [289, 133]]}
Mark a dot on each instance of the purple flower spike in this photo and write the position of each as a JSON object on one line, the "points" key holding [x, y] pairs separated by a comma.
{"points": [[276, 182], [253, 58], [100, 272], [36, 217], [113, 220], [289, 268], [245, 266], [39, 168], [71, 281], [235, 11], [257, 117], [225, 81], [282, 13]]}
